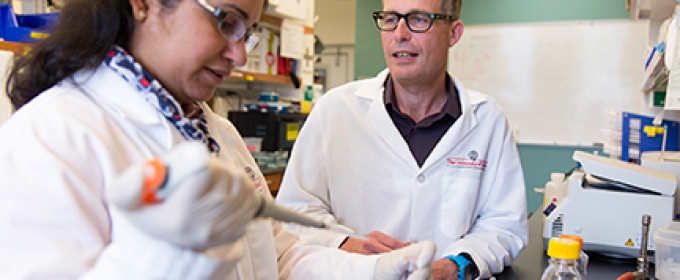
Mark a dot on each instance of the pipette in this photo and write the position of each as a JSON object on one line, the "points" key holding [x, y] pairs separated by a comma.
{"points": [[160, 177], [269, 209]]}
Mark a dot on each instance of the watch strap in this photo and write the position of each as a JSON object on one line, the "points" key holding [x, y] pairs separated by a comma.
{"points": [[462, 263]]}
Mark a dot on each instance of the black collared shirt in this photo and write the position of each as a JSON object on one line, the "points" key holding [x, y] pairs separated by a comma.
{"points": [[423, 136]]}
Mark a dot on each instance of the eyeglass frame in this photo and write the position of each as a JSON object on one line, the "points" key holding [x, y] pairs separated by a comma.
{"points": [[249, 34], [433, 17]]}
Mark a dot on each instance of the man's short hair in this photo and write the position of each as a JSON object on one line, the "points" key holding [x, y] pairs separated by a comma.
{"points": [[452, 7]]}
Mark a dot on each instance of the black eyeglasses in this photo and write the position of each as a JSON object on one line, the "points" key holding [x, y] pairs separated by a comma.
{"points": [[232, 26], [415, 21]]}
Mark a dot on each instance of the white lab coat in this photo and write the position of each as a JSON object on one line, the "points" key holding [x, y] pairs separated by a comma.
{"points": [[61, 151], [351, 166]]}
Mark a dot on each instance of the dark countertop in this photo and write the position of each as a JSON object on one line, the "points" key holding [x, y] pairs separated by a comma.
{"points": [[533, 260]]}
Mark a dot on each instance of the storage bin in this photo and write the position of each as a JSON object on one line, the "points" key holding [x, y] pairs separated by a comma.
{"points": [[667, 240], [25, 28]]}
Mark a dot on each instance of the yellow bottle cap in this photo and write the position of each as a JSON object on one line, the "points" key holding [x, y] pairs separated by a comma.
{"points": [[305, 106], [562, 248], [575, 238]]}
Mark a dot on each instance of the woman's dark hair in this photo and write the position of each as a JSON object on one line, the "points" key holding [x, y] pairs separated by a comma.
{"points": [[86, 31]]}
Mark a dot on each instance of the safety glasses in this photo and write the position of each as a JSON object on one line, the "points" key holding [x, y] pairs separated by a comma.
{"points": [[232, 26], [415, 21]]}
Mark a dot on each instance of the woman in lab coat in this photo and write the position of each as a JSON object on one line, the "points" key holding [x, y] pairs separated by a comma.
{"points": [[119, 82]]}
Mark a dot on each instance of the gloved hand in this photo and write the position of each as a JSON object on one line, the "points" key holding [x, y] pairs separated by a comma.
{"points": [[412, 263], [203, 202]]}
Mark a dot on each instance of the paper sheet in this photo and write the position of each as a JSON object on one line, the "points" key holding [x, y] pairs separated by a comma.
{"points": [[673, 56], [5, 106], [292, 40]]}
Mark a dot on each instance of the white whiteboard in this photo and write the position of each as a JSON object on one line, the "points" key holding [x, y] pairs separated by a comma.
{"points": [[555, 81]]}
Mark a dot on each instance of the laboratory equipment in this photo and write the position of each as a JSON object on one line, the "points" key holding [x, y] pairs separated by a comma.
{"points": [[643, 261], [665, 161], [555, 191], [278, 130], [642, 272], [604, 201], [562, 264]]}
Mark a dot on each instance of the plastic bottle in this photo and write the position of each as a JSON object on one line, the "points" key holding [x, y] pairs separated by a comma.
{"points": [[309, 93], [555, 192], [562, 264], [582, 262]]}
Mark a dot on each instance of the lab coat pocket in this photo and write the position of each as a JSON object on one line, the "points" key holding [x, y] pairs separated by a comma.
{"points": [[459, 199]]}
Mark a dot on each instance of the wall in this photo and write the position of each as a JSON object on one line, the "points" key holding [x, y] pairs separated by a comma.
{"points": [[336, 29], [538, 161], [570, 73], [369, 58], [335, 24]]}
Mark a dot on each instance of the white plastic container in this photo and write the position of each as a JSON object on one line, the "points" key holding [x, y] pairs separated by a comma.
{"points": [[667, 240], [254, 144]]}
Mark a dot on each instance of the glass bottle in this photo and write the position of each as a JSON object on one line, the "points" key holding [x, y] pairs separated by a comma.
{"points": [[562, 264], [582, 261]]}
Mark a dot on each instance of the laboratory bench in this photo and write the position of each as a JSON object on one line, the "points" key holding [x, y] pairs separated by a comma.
{"points": [[533, 260]]}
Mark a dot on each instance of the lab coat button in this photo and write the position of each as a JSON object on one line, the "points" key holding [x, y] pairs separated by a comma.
{"points": [[421, 178]]}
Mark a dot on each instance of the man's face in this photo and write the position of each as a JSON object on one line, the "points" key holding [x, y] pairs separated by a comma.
{"points": [[412, 56]]}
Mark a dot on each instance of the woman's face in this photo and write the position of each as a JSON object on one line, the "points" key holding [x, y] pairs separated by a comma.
{"points": [[183, 48]]}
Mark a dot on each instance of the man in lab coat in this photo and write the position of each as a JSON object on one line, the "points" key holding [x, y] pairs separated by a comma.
{"points": [[412, 155]]}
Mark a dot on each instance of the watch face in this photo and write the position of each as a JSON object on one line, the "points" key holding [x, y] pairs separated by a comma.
{"points": [[468, 272]]}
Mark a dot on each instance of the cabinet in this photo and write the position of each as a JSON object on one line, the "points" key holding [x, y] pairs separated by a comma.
{"points": [[655, 11], [650, 9], [273, 19], [290, 8], [274, 181]]}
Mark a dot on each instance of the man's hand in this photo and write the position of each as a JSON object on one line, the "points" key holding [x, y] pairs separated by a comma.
{"points": [[444, 269], [376, 243]]}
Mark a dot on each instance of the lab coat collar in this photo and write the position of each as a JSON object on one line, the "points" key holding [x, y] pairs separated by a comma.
{"points": [[374, 90], [469, 101], [383, 125], [106, 85], [121, 99]]}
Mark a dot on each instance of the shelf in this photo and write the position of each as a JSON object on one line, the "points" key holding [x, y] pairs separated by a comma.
{"points": [[259, 77], [651, 9], [275, 21], [15, 47]]}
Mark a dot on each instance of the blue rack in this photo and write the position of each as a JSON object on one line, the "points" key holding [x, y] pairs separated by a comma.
{"points": [[25, 28], [651, 136]]}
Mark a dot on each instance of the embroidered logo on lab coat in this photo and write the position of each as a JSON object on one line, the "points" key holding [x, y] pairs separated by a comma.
{"points": [[471, 161], [257, 180]]}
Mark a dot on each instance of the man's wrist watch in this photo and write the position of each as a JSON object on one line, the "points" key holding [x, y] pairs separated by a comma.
{"points": [[464, 266]]}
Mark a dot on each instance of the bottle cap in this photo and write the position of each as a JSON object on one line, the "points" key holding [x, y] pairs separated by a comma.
{"points": [[574, 237], [561, 248], [557, 177]]}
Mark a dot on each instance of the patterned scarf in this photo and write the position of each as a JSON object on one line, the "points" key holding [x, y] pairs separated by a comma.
{"points": [[124, 64]]}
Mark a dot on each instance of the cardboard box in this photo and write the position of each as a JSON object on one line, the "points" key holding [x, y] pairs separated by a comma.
{"points": [[264, 58]]}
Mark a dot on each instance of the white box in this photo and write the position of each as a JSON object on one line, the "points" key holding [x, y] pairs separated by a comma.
{"points": [[264, 58]]}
